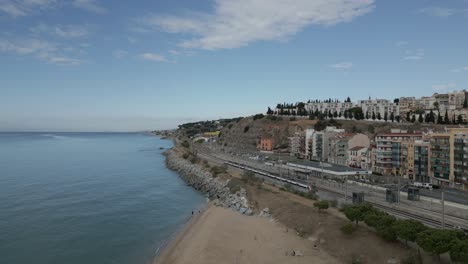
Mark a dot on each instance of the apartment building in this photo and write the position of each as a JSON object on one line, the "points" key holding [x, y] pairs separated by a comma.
{"points": [[410, 159], [317, 143], [309, 143], [449, 158], [377, 106], [359, 157], [389, 148], [329, 107], [297, 145], [407, 104], [339, 145]]}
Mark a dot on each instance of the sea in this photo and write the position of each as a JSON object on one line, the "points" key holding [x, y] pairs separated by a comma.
{"points": [[104, 198]]}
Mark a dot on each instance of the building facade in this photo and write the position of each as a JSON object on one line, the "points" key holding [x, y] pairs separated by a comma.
{"points": [[266, 144], [449, 158], [389, 149], [379, 106]]}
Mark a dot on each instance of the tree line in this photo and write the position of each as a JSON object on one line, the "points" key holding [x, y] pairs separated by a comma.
{"points": [[432, 118], [432, 240], [352, 113]]}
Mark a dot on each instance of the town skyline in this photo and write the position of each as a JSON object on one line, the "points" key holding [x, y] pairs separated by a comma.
{"points": [[87, 65]]}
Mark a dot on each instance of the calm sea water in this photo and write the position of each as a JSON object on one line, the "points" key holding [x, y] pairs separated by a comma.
{"points": [[87, 198]]}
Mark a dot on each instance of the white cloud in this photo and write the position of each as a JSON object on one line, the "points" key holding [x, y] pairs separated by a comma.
{"points": [[461, 69], [89, 5], [401, 43], [153, 57], [443, 88], [40, 49], [238, 23], [132, 40], [174, 52], [342, 65], [442, 12], [414, 55], [64, 31], [17, 8], [118, 54]]}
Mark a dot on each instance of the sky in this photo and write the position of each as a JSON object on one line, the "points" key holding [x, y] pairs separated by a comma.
{"points": [[95, 65]]}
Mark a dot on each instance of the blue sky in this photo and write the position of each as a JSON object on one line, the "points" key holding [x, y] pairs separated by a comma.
{"points": [[94, 65]]}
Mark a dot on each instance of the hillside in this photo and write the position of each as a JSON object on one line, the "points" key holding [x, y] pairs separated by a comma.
{"points": [[246, 133]]}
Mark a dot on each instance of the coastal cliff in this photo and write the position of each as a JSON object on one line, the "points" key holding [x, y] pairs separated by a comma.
{"points": [[215, 189]]}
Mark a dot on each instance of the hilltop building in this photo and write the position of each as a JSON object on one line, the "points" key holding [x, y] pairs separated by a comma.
{"points": [[379, 106]]}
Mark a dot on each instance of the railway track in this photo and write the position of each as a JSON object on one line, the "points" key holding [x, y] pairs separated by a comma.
{"points": [[306, 186]]}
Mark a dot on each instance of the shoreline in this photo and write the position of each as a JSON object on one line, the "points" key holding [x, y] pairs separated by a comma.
{"points": [[171, 242], [225, 233]]}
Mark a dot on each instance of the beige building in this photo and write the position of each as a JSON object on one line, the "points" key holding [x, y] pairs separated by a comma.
{"points": [[340, 144], [389, 148], [407, 104], [358, 157], [449, 158]]}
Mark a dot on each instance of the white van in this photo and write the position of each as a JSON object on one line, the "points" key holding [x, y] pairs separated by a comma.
{"points": [[418, 184], [427, 185]]}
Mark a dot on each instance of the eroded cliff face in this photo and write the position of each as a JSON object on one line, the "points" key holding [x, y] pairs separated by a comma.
{"points": [[215, 189]]}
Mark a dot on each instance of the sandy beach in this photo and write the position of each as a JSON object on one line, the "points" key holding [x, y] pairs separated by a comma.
{"points": [[220, 235]]}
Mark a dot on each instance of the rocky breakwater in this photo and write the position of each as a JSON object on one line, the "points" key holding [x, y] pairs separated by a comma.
{"points": [[214, 188]]}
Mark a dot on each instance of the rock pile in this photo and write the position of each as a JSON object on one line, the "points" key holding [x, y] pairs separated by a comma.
{"points": [[265, 213], [214, 188]]}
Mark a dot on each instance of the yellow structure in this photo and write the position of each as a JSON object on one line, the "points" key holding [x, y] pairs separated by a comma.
{"points": [[211, 134]]}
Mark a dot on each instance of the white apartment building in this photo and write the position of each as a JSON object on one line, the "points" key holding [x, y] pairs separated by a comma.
{"points": [[381, 106], [296, 144], [309, 133], [318, 143], [332, 107]]}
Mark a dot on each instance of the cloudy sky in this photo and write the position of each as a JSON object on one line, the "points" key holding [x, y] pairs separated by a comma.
{"points": [[95, 65]]}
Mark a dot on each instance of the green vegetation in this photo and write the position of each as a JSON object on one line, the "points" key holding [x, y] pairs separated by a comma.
{"points": [[246, 129], [234, 185], [356, 213], [249, 177], [274, 118], [433, 241], [436, 241], [322, 124], [459, 251], [194, 160], [356, 260], [348, 229], [185, 144], [309, 195], [192, 129], [408, 230], [258, 116], [322, 205], [216, 170]]}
